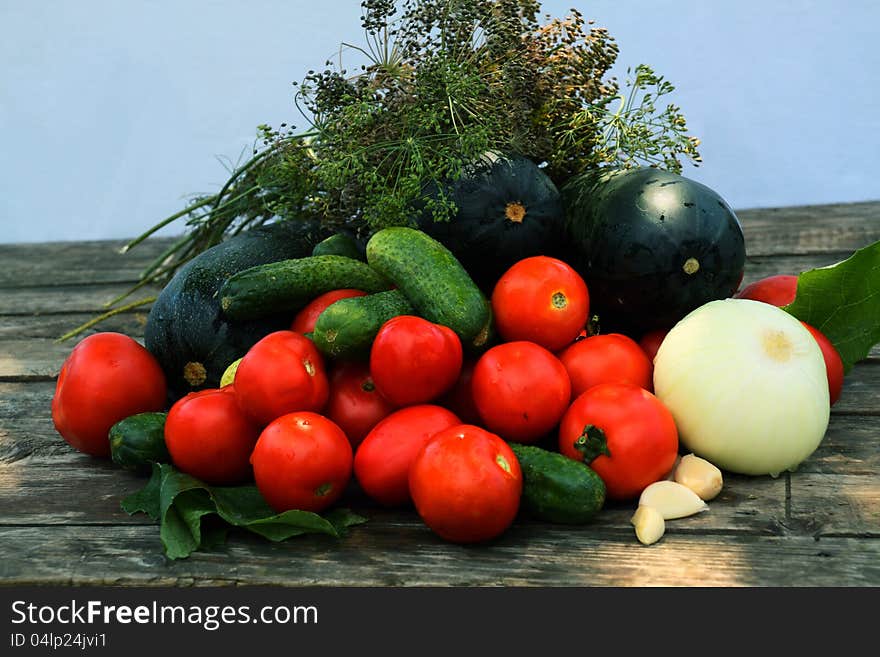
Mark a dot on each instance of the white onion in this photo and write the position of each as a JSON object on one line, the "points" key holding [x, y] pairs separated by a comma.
{"points": [[746, 384]]}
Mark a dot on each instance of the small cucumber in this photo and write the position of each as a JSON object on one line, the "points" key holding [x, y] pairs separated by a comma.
{"points": [[138, 441], [557, 488], [347, 327], [287, 285], [340, 244], [432, 279]]}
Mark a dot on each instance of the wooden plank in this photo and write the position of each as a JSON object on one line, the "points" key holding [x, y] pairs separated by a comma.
{"points": [[810, 229], [839, 228], [68, 488], [50, 327], [835, 504], [71, 263], [60, 299], [850, 446], [861, 392], [26, 438], [374, 557], [758, 267]]}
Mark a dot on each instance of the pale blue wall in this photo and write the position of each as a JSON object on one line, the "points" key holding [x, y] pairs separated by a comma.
{"points": [[112, 113]]}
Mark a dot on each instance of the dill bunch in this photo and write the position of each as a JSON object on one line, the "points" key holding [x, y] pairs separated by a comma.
{"points": [[438, 84]]}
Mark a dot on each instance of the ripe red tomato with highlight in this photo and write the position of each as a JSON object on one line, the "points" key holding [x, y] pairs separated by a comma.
{"points": [[776, 290], [521, 390], [460, 400], [106, 378], [466, 484], [302, 461], [609, 358], [833, 363], [210, 437], [414, 361], [624, 433], [541, 300], [354, 403], [650, 342], [383, 459], [305, 320], [280, 374]]}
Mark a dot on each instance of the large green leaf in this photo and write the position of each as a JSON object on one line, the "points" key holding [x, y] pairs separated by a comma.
{"points": [[182, 503], [843, 302]]}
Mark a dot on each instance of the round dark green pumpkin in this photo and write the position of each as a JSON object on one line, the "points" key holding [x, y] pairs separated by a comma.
{"points": [[507, 209], [651, 245], [186, 330]]}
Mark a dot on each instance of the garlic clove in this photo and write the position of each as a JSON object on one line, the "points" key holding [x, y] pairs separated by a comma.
{"points": [[649, 525], [672, 500], [670, 476], [700, 476]]}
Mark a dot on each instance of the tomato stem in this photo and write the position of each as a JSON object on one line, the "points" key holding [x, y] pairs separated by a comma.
{"points": [[591, 443]]}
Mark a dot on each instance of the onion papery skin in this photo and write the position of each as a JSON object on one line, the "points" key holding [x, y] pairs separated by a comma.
{"points": [[746, 384]]}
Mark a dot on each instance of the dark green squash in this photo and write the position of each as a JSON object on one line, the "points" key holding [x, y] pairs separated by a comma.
{"points": [[651, 245], [507, 209], [186, 330], [342, 243]]}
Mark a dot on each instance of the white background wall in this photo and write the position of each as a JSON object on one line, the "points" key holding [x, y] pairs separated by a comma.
{"points": [[113, 113]]}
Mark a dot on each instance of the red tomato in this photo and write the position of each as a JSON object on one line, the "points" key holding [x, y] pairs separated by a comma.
{"points": [[383, 459], [521, 390], [302, 461], [354, 403], [460, 400], [775, 290], [833, 363], [466, 484], [414, 361], [305, 320], [638, 430], [542, 300], [651, 341], [280, 374], [106, 378], [210, 437], [609, 358]]}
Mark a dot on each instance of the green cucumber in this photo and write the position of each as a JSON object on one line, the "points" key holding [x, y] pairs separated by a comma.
{"points": [[347, 327], [288, 285], [138, 441], [557, 488], [432, 279], [340, 244]]}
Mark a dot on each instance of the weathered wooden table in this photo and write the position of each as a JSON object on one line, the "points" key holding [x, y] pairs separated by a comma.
{"points": [[60, 520]]}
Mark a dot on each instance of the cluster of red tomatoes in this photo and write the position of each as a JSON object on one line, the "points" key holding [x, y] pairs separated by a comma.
{"points": [[420, 423]]}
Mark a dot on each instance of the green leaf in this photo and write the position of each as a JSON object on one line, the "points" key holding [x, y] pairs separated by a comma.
{"points": [[240, 505], [146, 500], [843, 302], [180, 528], [193, 515], [292, 523]]}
